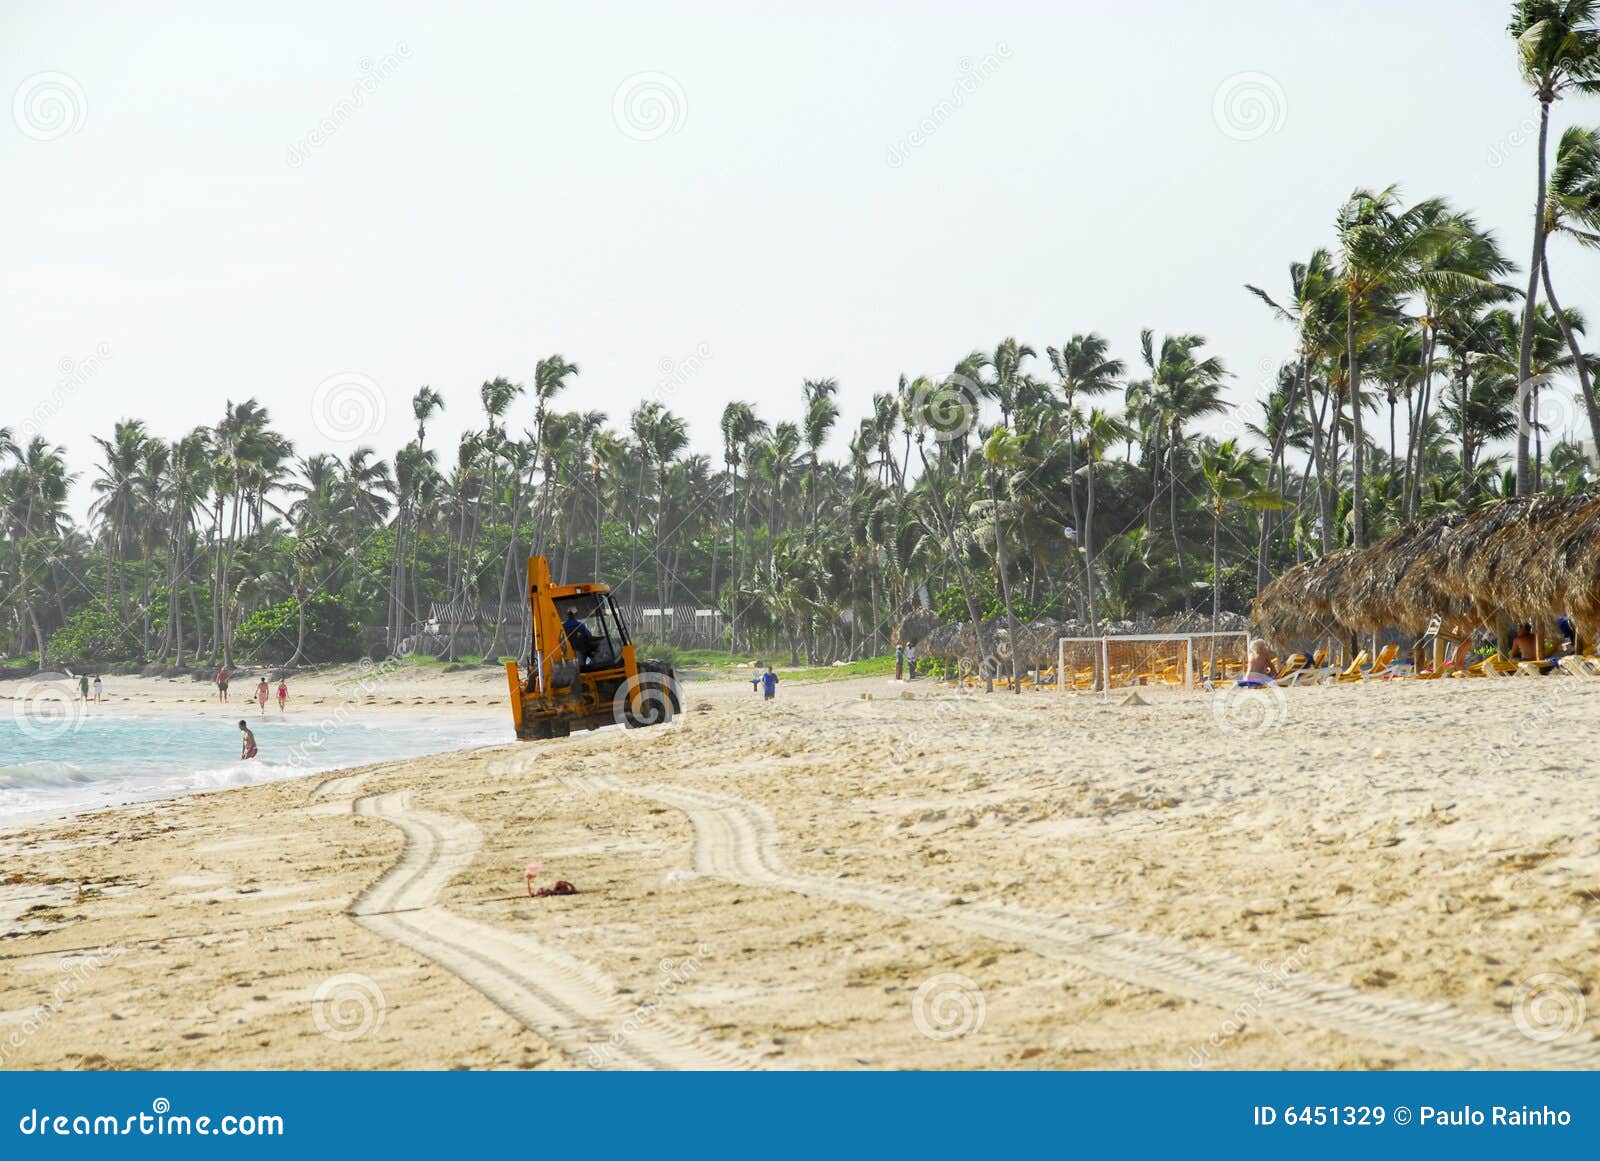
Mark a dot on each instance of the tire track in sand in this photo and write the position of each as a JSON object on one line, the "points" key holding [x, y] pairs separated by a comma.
{"points": [[737, 840], [561, 999]]}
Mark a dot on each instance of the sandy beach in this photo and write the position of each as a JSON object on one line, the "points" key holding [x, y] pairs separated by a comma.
{"points": [[861, 874]]}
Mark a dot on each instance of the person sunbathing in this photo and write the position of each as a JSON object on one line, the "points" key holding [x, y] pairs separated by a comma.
{"points": [[1523, 646], [1260, 671]]}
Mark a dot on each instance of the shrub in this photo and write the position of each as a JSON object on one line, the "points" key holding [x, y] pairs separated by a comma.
{"points": [[93, 636], [332, 631]]}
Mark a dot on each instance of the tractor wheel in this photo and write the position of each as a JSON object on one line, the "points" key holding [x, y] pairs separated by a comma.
{"points": [[658, 698]]}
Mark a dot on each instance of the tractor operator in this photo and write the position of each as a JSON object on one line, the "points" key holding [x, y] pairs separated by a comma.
{"points": [[578, 636]]}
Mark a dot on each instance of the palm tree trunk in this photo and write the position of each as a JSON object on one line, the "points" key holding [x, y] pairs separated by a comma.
{"points": [[1358, 497], [1005, 581], [1584, 379], [1525, 348], [1087, 533]]}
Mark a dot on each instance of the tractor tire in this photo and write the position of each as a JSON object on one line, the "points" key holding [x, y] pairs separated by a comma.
{"points": [[658, 695]]}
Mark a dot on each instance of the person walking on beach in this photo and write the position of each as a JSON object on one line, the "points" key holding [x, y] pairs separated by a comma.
{"points": [[262, 693], [97, 689], [222, 684], [283, 693], [83, 687], [900, 661], [911, 662], [248, 750], [769, 685]]}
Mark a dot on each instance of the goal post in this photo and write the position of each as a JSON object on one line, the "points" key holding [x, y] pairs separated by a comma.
{"points": [[1176, 661]]}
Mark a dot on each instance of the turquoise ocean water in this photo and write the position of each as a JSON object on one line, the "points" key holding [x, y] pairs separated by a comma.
{"points": [[75, 761]]}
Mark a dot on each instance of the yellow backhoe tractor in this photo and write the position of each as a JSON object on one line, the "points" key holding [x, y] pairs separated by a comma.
{"points": [[583, 672]]}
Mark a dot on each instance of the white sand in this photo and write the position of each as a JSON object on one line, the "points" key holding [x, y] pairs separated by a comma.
{"points": [[831, 881]]}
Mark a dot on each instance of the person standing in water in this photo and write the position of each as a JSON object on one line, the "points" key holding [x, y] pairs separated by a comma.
{"points": [[248, 750], [283, 693], [262, 693]]}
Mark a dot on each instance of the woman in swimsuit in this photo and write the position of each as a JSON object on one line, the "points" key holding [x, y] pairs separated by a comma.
{"points": [[1260, 671]]}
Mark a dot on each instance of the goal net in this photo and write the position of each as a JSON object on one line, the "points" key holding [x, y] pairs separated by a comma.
{"points": [[1168, 661]]}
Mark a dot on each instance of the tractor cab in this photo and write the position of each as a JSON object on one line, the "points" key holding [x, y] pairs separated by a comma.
{"points": [[593, 628]]}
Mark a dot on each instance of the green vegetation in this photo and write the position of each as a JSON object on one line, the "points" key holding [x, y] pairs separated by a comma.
{"points": [[1025, 481]]}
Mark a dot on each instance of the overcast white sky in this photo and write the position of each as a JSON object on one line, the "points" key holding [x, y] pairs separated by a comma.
{"points": [[493, 199]]}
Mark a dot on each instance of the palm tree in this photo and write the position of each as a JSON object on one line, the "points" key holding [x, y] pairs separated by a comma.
{"points": [[1002, 452], [1082, 367], [550, 376], [1558, 49], [667, 436], [117, 489], [1382, 248], [821, 413], [424, 405], [1181, 389], [740, 427], [1572, 210], [1233, 475], [1100, 431]]}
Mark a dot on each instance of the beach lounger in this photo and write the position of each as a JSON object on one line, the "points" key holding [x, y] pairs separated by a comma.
{"points": [[1295, 665], [1316, 670], [1384, 666], [1352, 672], [1454, 666], [1493, 666]]}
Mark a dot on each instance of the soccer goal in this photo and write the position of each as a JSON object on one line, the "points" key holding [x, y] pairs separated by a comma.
{"points": [[1178, 661]]}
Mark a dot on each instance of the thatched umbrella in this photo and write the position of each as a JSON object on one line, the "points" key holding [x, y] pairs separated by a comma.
{"points": [[1495, 560], [1568, 562], [1414, 571], [1298, 605]]}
